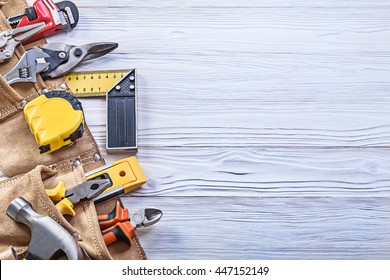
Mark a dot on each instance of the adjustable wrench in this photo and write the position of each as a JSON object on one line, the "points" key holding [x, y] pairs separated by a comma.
{"points": [[31, 63]]}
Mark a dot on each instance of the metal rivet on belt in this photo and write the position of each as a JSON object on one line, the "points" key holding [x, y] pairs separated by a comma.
{"points": [[76, 163], [63, 86], [22, 103], [45, 90], [96, 157]]}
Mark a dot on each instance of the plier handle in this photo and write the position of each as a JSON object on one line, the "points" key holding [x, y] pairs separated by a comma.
{"points": [[84, 191], [120, 224]]}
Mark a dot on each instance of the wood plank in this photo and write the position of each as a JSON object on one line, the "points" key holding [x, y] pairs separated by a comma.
{"points": [[273, 78], [233, 4], [177, 122], [287, 78], [264, 172], [263, 125], [264, 228], [177, 30]]}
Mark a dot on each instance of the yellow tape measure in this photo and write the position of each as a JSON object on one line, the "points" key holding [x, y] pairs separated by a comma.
{"points": [[94, 83], [56, 119]]}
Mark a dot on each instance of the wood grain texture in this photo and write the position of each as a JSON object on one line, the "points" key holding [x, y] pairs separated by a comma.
{"points": [[267, 228], [291, 76], [235, 4], [264, 172], [264, 126]]}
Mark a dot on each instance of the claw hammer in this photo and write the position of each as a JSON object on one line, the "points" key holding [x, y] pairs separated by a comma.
{"points": [[49, 240]]}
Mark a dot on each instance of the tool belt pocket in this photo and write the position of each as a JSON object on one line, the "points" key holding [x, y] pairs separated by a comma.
{"points": [[31, 187], [83, 226], [32, 172], [20, 151], [11, 102]]}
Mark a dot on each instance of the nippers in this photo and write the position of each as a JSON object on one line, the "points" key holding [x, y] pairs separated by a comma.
{"points": [[120, 225]]}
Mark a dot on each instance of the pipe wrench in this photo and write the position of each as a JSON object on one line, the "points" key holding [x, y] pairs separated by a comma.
{"points": [[57, 17]]}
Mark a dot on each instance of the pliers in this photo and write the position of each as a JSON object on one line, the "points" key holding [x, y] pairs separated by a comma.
{"points": [[120, 225], [10, 39], [84, 191], [64, 57]]}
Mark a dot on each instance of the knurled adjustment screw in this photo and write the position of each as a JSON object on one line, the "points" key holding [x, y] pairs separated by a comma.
{"points": [[78, 52]]}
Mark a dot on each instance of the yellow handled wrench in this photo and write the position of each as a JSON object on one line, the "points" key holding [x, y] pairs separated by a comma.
{"points": [[67, 198]]}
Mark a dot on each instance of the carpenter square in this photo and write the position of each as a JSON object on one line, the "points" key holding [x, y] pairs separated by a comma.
{"points": [[122, 115]]}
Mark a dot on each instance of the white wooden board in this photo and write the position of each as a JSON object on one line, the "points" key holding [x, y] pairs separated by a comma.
{"points": [[264, 126], [267, 228]]}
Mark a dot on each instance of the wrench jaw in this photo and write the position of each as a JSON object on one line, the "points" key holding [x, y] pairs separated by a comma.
{"points": [[69, 14], [40, 65], [32, 63]]}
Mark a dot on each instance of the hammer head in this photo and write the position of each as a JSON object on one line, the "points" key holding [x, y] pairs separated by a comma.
{"points": [[49, 240]]}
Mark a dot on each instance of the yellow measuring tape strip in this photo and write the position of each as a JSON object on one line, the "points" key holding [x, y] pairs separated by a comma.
{"points": [[94, 83]]}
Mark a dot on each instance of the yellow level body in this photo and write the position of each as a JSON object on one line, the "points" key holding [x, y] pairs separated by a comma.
{"points": [[126, 173]]}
